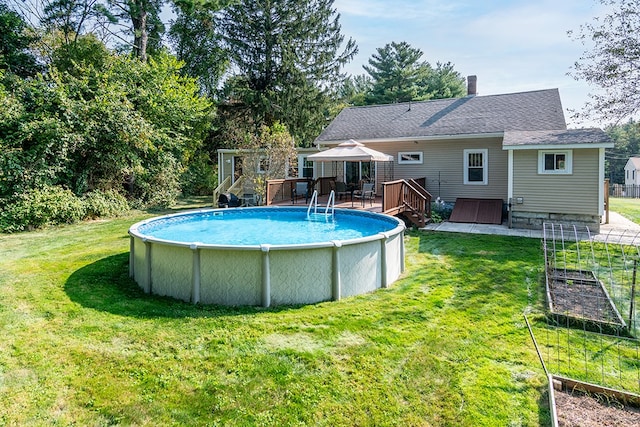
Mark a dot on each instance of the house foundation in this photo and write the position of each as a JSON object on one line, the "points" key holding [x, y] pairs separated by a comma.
{"points": [[536, 220]]}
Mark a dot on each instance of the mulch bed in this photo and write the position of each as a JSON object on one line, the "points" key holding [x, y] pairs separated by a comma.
{"points": [[580, 295], [579, 409]]}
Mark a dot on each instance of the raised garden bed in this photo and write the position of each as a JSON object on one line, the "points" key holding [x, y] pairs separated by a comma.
{"points": [[577, 404], [578, 296]]}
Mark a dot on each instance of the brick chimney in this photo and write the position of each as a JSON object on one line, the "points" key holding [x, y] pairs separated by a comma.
{"points": [[472, 85]]}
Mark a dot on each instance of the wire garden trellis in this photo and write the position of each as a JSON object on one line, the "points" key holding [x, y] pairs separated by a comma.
{"points": [[590, 328]]}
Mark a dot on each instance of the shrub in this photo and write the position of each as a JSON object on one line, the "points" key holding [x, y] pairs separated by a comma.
{"points": [[200, 178], [440, 210], [109, 203], [49, 205], [158, 185]]}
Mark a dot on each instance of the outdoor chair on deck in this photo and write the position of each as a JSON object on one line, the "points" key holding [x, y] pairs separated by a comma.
{"points": [[366, 192], [300, 190], [341, 190]]}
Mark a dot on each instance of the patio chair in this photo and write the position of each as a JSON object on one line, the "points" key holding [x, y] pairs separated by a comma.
{"points": [[341, 190], [366, 192], [301, 190]]}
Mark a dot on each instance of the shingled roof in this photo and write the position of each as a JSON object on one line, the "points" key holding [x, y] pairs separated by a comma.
{"points": [[471, 115], [524, 139]]}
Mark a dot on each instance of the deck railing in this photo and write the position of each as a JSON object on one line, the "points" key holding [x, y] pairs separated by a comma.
{"points": [[279, 190], [407, 196], [223, 187]]}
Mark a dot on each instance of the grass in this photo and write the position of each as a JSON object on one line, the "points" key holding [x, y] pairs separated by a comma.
{"points": [[445, 345], [629, 208]]}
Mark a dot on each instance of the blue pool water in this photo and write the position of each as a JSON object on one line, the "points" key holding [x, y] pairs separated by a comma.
{"points": [[273, 226]]}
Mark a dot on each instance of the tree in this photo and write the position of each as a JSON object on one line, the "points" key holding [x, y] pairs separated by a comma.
{"points": [[15, 41], [444, 82], [398, 75], [197, 43], [627, 144], [135, 25], [70, 17], [612, 63], [269, 155], [354, 89], [140, 19], [285, 55], [396, 72], [128, 127]]}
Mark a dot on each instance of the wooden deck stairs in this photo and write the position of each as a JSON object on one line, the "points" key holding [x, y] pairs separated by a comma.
{"points": [[227, 187], [409, 199]]}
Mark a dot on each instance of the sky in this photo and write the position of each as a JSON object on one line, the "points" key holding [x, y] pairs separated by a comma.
{"points": [[511, 46]]}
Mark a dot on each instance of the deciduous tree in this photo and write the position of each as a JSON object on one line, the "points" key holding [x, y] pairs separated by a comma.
{"points": [[611, 62], [128, 126], [15, 41]]}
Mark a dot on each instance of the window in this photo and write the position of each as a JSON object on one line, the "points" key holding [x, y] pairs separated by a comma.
{"points": [[554, 162], [410, 157], [307, 168], [475, 167], [263, 165]]}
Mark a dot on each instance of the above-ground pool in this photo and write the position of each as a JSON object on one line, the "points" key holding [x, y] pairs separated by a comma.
{"points": [[266, 256]]}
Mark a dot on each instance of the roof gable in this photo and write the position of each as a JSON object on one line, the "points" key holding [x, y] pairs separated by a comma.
{"points": [[536, 110], [633, 163]]}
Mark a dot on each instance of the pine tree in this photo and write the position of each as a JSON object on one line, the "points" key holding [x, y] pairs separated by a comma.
{"points": [[399, 75], [396, 72], [286, 54]]}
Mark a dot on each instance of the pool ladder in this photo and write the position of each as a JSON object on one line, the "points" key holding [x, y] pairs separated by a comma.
{"points": [[314, 204]]}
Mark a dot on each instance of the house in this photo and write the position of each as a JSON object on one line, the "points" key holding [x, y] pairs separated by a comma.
{"points": [[513, 147], [632, 171]]}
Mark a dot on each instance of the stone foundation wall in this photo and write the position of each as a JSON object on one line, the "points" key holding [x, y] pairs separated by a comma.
{"points": [[535, 220]]}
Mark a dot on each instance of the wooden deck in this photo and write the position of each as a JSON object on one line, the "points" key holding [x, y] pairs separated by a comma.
{"points": [[408, 198], [345, 203]]}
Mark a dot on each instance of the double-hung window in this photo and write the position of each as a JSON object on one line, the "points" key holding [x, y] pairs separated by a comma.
{"points": [[476, 167]]}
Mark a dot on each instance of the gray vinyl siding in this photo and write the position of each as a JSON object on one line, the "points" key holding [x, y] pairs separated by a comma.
{"points": [[576, 193], [443, 164]]}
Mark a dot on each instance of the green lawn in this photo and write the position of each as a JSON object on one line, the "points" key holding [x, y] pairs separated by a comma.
{"points": [[445, 345], [629, 208]]}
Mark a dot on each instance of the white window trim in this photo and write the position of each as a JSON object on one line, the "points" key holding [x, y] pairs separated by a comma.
{"points": [[485, 166], [568, 170], [259, 168], [302, 159], [401, 161]]}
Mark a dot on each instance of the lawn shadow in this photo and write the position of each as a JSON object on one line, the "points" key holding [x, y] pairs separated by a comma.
{"points": [[105, 285]]}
